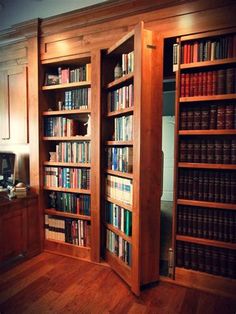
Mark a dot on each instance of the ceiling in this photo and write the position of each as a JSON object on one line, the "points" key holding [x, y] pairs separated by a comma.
{"points": [[16, 11]]}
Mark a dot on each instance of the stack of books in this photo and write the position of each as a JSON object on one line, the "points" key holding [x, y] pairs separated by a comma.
{"points": [[20, 192]]}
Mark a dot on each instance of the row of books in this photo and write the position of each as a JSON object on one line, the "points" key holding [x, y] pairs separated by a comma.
{"points": [[119, 217], [76, 99], [207, 185], [76, 152], [120, 158], [219, 151], [214, 116], [213, 260], [61, 126], [75, 178], [68, 75], [70, 203], [208, 223], [127, 62], [209, 49], [123, 128], [119, 188], [120, 98], [74, 231], [118, 246], [207, 83]]}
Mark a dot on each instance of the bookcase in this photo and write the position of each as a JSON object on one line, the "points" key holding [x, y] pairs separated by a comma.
{"points": [[69, 155], [204, 234], [131, 150]]}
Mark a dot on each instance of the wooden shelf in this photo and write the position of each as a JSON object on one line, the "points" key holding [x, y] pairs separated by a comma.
{"points": [[66, 164], [119, 232], [67, 249], [204, 281], [120, 112], [206, 166], [120, 174], [67, 85], [206, 204], [123, 270], [121, 80], [124, 41], [51, 211], [221, 244], [66, 138], [66, 112], [119, 143], [70, 190], [208, 98], [207, 63], [207, 132], [119, 203]]}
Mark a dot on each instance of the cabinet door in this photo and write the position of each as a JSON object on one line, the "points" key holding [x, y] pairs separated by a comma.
{"points": [[13, 233], [13, 106]]}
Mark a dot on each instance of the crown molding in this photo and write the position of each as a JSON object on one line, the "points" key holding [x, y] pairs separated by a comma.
{"points": [[19, 32]]}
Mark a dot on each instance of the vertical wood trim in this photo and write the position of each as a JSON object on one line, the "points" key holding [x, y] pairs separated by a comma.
{"points": [[176, 158], [95, 153], [27, 102], [4, 106], [136, 268]]}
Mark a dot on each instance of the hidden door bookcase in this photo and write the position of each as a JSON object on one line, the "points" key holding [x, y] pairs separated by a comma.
{"points": [[131, 162]]}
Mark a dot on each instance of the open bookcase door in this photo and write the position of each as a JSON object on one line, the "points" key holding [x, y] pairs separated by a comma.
{"points": [[146, 177]]}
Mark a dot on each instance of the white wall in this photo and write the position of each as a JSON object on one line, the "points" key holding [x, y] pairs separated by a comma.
{"points": [[168, 150], [16, 11]]}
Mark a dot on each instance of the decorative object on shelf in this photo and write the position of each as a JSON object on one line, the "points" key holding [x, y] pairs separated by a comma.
{"points": [[117, 71]]}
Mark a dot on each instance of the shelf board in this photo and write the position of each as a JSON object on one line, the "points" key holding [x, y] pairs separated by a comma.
{"points": [[119, 143], [119, 203], [208, 98], [66, 112], [66, 85], [123, 270], [66, 138], [207, 63], [212, 283], [206, 166], [221, 244], [67, 164], [60, 189], [120, 42], [207, 132], [120, 174], [121, 80], [118, 232], [206, 204], [51, 211], [120, 112], [67, 249]]}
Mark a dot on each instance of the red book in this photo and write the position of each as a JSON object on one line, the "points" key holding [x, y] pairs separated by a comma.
{"points": [[200, 84], [195, 51], [187, 84], [214, 82], [204, 83], [209, 82], [188, 53], [185, 53], [182, 84]]}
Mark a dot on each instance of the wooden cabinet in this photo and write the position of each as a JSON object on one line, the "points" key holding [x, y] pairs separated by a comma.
{"points": [[19, 228], [205, 170], [131, 156], [13, 106]]}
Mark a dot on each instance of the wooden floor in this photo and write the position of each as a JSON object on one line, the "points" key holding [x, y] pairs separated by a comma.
{"points": [[54, 284]]}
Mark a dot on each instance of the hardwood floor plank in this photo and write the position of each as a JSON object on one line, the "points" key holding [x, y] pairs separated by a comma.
{"points": [[50, 283]]}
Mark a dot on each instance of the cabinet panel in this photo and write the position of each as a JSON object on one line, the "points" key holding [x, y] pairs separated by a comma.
{"points": [[13, 234], [13, 106]]}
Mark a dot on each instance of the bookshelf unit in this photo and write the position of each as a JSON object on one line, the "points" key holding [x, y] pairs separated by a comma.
{"points": [[131, 110], [70, 163], [204, 234]]}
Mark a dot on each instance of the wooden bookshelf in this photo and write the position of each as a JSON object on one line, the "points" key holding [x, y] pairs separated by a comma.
{"points": [[66, 86], [196, 174], [74, 98], [146, 115], [53, 212]]}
